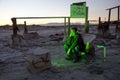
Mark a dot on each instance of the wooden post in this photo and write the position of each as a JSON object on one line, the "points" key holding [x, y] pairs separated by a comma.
{"points": [[109, 15], [17, 40], [25, 28], [15, 28], [65, 34], [68, 25], [99, 26], [99, 20], [116, 30], [118, 13], [86, 22]]}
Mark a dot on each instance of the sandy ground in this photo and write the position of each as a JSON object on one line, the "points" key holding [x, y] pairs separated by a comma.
{"points": [[13, 65]]}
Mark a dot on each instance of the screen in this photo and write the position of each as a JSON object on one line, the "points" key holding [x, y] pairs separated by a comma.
{"points": [[78, 10]]}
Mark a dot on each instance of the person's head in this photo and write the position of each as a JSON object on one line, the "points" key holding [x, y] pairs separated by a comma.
{"points": [[73, 31]]}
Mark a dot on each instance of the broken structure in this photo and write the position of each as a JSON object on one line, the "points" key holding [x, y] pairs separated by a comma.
{"points": [[103, 28]]}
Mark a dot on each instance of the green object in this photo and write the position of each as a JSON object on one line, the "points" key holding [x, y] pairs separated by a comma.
{"points": [[71, 44], [72, 33], [68, 52], [83, 57], [101, 46], [78, 10], [82, 54], [87, 47]]}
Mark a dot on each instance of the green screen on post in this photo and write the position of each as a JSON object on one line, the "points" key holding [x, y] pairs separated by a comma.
{"points": [[78, 10]]}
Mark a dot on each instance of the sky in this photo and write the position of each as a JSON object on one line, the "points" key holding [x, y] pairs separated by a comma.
{"points": [[42, 8]]}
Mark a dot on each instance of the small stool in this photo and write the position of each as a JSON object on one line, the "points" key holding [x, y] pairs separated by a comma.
{"points": [[104, 48]]}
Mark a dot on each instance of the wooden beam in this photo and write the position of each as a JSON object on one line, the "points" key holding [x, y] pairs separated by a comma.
{"points": [[93, 20], [113, 7], [37, 17]]}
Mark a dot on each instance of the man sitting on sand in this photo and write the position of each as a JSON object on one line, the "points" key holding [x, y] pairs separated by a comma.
{"points": [[74, 45]]}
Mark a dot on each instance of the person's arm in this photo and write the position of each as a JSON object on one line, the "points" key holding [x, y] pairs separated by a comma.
{"points": [[73, 44]]}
